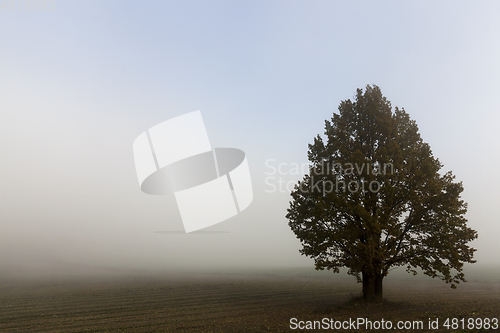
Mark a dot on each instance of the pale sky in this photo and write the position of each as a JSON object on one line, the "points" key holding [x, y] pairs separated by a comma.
{"points": [[80, 82]]}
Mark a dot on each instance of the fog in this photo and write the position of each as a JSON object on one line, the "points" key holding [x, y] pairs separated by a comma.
{"points": [[80, 82]]}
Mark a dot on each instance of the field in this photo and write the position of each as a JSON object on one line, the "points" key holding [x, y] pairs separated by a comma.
{"points": [[245, 301]]}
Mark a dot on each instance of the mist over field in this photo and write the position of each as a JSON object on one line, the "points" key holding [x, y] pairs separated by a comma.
{"points": [[80, 82], [82, 248]]}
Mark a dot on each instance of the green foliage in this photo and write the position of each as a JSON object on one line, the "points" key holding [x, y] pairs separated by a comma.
{"points": [[412, 215]]}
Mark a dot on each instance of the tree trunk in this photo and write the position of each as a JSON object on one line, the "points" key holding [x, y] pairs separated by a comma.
{"points": [[372, 286]]}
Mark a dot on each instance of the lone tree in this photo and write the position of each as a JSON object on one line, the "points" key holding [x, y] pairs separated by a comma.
{"points": [[374, 199]]}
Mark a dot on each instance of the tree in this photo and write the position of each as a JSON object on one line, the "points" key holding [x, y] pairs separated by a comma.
{"points": [[374, 199]]}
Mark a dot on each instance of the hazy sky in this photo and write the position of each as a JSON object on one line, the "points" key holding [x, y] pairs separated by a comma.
{"points": [[80, 82]]}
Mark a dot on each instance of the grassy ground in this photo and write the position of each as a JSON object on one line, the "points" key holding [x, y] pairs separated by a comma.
{"points": [[244, 302]]}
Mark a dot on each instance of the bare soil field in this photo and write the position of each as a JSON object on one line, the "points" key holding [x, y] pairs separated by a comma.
{"points": [[236, 302]]}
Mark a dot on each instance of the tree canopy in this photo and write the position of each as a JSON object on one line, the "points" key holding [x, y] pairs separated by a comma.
{"points": [[374, 199]]}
